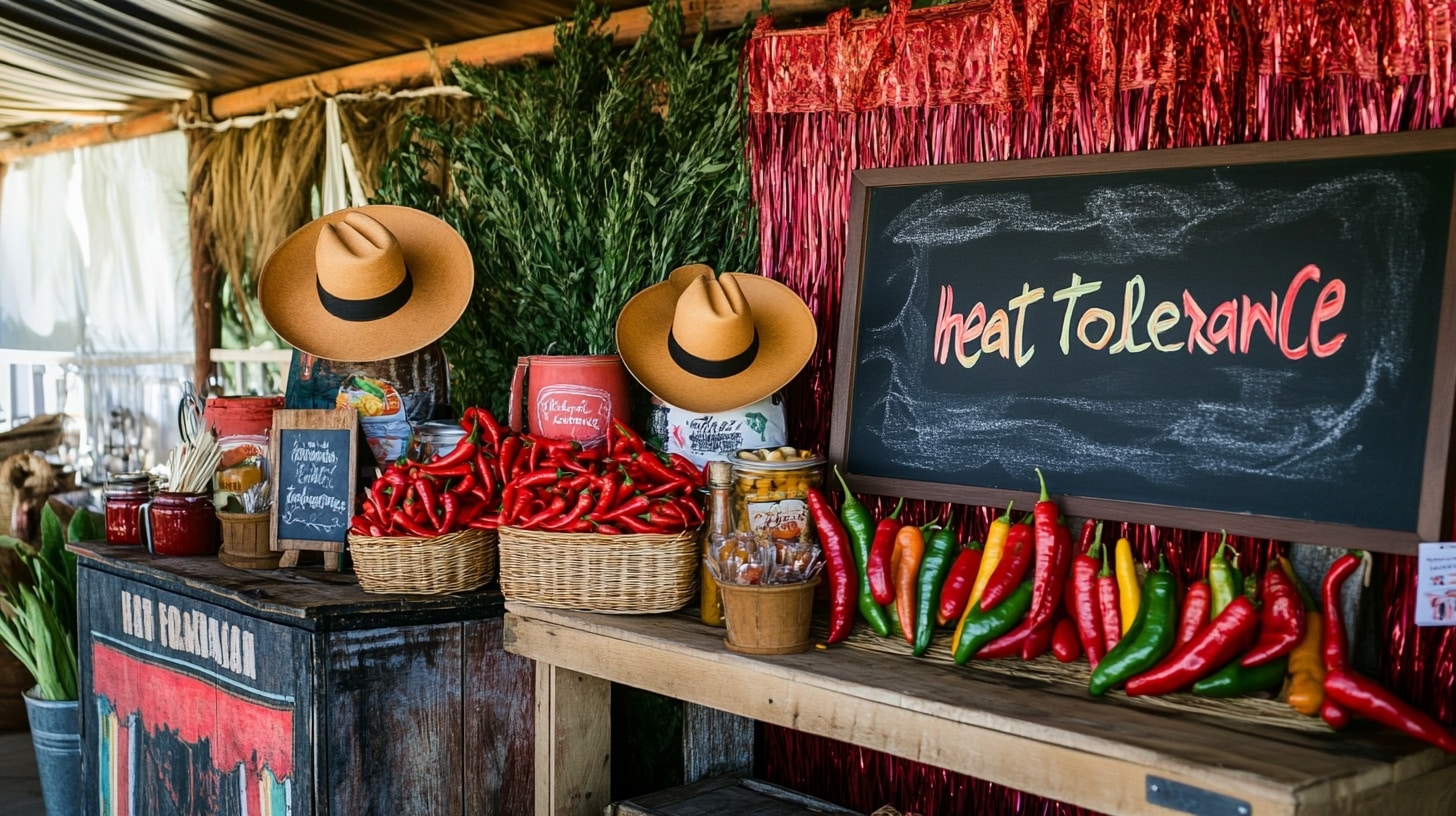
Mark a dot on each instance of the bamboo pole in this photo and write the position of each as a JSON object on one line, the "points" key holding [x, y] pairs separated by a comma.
{"points": [[397, 72]]}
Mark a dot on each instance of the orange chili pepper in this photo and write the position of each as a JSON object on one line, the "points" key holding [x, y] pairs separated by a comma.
{"points": [[909, 548]]}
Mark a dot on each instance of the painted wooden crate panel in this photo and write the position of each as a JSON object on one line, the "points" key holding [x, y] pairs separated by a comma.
{"points": [[190, 707]]}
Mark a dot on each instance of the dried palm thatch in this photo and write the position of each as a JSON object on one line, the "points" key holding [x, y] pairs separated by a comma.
{"points": [[373, 127], [256, 186]]}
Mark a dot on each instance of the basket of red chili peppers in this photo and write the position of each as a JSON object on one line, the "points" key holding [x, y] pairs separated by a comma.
{"points": [[606, 529], [429, 528]]}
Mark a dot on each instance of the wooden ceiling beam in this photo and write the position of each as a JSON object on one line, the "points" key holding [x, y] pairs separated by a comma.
{"points": [[398, 72]]}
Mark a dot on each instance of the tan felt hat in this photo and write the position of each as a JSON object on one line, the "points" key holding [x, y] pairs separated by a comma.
{"points": [[367, 283], [710, 344]]}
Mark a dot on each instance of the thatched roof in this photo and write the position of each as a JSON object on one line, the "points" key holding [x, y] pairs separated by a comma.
{"points": [[63, 62]]}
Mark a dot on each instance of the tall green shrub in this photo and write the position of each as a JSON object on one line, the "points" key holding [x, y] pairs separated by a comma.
{"points": [[587, 179]]}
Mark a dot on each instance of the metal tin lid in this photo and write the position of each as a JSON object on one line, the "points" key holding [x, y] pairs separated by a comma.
{"points": [[127, 484]]}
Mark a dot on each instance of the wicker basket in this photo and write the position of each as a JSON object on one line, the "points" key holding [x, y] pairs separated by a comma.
{"points": [[624, 574], [454, 562]]}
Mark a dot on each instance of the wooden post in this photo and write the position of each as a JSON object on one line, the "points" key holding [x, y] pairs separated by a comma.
{"points": [[715, 742], [573, 742]]}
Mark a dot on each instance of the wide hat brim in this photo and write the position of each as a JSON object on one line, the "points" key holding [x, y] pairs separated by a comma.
{"points": [[787, 336], [438, 260]]}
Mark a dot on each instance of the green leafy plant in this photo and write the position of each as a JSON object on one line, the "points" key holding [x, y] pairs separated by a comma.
{"points": [[38, 613], [585, 180]]}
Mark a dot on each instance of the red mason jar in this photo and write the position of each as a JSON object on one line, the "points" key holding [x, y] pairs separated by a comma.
{"points": [[124, 497], [182, 524]]}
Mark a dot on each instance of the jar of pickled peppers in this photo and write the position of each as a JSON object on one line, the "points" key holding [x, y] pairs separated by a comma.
{"points": [[771, 491]]}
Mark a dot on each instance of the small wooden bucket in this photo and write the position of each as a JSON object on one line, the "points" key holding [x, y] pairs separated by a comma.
{"points": [[772, 619], [246, 543]]}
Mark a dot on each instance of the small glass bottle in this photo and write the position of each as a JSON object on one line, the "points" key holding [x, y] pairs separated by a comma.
{"points": [[719, 525]]}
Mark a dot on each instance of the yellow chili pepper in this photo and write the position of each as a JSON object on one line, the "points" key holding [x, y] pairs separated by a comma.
{"points": [[990, 557], [1129, 594], [1306, 662]]}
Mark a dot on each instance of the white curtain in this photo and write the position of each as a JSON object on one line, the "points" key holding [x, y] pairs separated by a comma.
{"points": [[95, 254], [40, 257]]}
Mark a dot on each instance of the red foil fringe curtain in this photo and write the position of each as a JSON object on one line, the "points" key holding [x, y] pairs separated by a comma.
{"points": [[988, 80]]}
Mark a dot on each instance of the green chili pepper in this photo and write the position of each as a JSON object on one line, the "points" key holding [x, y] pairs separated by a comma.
{"points": [[1224, 581], [940, 551], [1234, 680], [860, 524], [981, 627], [1151, 637]]}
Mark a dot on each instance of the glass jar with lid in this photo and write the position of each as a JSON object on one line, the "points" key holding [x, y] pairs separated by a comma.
{"points": [[771, 489], [123, 497], [434, 438]]}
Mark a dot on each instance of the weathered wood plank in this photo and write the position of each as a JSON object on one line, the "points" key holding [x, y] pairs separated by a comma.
{"points": [[394, 735], [715, 743], [1015, 731], [314, 599], [573, 742], [500, 725]]}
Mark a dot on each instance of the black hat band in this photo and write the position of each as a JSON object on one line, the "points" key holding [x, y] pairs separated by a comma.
{"points": [[359, 311], [711, 369]]}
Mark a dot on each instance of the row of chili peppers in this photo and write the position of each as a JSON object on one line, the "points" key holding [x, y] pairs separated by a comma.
{"points": [[620, 488], [454, 491], [1030, 590], [494, 476]]}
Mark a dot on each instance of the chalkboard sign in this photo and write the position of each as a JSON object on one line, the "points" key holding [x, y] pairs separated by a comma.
{"points": [[1256, 338], [313, 488]]}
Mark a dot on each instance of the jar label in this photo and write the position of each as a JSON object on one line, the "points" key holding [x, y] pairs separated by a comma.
{"points": [[784, 519]]}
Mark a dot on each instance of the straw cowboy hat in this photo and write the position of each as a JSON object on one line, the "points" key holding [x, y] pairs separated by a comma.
{"points": [[710, 344], [367, 283]]}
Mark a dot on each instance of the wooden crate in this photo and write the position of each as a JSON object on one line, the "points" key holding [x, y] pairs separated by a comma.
{"points": [[725, 796], [212, 690]]}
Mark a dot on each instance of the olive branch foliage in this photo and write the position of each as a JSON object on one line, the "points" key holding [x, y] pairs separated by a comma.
{"points": [[584, 180]]}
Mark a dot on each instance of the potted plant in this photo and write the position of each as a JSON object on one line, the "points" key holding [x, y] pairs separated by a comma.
{"points": [[38, 625]]}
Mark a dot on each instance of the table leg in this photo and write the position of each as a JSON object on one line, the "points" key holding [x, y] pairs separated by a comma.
{"points": [[573, 742]]}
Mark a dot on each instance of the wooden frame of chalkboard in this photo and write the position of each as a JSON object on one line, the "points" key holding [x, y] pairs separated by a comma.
{"points": [[1257, 338], [312, 452]]}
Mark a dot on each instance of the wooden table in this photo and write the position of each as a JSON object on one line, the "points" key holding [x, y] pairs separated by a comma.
{"points": [[1047, 737], [208, 689]]}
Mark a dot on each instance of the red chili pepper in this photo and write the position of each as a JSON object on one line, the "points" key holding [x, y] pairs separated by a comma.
{"points": [[425, 489], [510, 448], [958, 582], [1333, 715], [487, 522], [1045, 584], [1038, 642], [1109, 604], [607, 485], [465, 484], [608, 529], [653, 466], [634, 442], [462, 454], [1281, 620], [584, 504], [1215, 646], [485, 477], [1334, 642], [538, 478], [839, 564], [1086, 611], [413, 527], [1066, 644], [555, 508], [683, 465], [1041, 637], [1015, 561], [449, 511], [691, 512], [1009, 644], [1363, 696], [631, 507], [879, 564], [666, 488], [1197, 603], [636, 525]]}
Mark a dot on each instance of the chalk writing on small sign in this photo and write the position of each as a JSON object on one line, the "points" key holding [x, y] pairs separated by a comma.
{"points": [[313, 497], [312, 501]]}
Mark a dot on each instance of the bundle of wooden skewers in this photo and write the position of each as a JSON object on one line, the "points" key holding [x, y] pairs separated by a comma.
{"points": [[192, 463]]}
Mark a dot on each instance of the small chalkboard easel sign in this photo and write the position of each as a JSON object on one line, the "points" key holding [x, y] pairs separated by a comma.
{"points": [[313, 486]]}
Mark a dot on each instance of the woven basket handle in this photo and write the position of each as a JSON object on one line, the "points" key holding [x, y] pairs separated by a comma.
{"points": [[518, 387]]}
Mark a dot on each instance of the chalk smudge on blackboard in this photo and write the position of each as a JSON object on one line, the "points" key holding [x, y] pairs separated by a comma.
{"points": [[1258, 428]]}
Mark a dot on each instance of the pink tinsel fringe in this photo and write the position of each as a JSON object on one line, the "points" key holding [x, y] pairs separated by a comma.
{"points": [[1004, 80]]}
